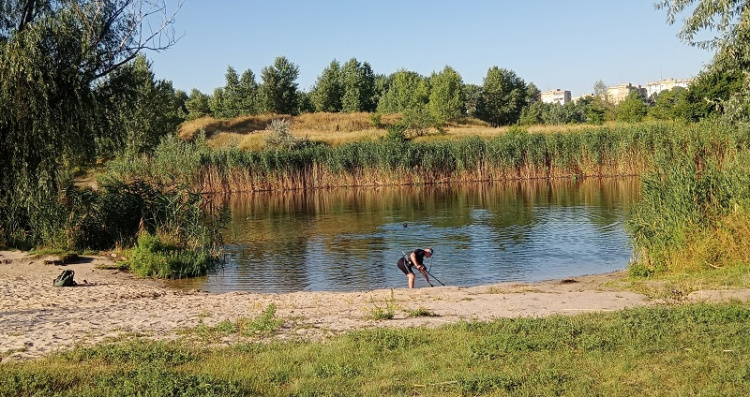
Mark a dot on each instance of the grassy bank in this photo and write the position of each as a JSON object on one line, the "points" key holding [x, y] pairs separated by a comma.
{"points": [[678, 350]]}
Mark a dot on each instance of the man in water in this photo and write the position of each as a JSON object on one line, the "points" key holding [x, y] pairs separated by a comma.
{"points": [[414, 259]]}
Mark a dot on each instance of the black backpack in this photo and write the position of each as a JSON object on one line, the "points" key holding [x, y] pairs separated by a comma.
{"points": [[65, 279]]}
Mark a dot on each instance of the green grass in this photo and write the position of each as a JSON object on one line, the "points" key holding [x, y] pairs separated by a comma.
{"points": [[668, 350]]}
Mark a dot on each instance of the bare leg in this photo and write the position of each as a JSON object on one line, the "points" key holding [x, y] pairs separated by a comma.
{"points": [[410, 276]]}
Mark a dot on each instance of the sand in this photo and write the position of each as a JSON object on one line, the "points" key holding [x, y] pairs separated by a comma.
{"points": [[37, 319]]}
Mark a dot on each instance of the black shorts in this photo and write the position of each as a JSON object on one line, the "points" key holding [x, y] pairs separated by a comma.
{"points": [[406, 268]]}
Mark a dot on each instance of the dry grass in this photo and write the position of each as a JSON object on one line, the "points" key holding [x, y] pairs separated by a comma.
{"points": [[240, 125], [248, 132]]}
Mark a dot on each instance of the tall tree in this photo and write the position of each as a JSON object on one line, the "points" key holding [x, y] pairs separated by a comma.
{"points": [[248, 93], [407, 90], [232, 94], [728, 24], [197, 105], [54, 55], [472, 93], [328, 90], [503, 97], [216, 103], [446, 96], [142, 109], [633, 109], [358, 83], [279, 87]]}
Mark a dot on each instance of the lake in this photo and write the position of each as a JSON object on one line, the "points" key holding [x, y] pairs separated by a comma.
{"points": [[349, 239]]}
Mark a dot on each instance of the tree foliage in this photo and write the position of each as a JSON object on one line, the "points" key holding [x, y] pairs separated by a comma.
{"points": [[279, 88], [503, 97], [358, 84], [327, 92], [407, 91], [727, 22], [446, 102], [138, 109], [54, 55]]}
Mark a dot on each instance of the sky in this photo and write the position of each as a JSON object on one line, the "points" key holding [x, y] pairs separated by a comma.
{"points": [[555, 44]]}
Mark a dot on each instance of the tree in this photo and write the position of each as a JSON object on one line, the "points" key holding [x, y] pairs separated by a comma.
{"points": [[216, 103], [472, 93], [232, 106], [197, 105], [632, 109], [728, 22], [600, 91], [142, 108], [668, 104], [54, 56], [407, 91], [533, 94], [446, 101], [503, 97], [710, 91], [358, 84], [328, 90], [248, 93], [279, 88]]}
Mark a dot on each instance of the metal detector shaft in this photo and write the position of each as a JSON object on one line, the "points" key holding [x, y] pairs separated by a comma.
{"points": [[435, 278]]}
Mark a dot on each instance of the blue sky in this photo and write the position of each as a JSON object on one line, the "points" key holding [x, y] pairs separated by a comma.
{"points": [[553, 43]]}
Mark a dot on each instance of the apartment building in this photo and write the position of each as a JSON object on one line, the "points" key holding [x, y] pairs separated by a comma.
{"points": [[653, 88], [618, 93], [556, 96]]}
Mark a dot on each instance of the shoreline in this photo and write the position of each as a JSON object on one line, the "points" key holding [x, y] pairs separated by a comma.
{"points": [[37, 319]]}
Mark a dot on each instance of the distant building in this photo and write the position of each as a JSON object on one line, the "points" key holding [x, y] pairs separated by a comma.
{"points": [[556, 96], [618, 93], [653, 88]]}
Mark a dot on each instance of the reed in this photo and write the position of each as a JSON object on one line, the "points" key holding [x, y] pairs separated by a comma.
{"points": [[695, 209], [517, 154]]}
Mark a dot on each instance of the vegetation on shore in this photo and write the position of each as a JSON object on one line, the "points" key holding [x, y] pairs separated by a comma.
{"points": [[676, 350]]}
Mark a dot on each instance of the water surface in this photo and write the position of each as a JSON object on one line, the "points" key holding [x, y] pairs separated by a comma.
{"points": [[350, 239]]}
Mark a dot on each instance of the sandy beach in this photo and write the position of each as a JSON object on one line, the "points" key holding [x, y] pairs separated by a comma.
{"points": [[37, 318]]}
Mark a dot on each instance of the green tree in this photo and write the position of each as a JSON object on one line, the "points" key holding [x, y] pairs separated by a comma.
{"points": [[328, 90], [216, 103], [54, 58], [667, 104], [472, 93], [503, 97], [232, 106], [279, 88], [533, 94], [633, 109], [143, 109], [447, 100], [728, 25], [711, 91], [358, 84], [197, 105], [248, 93], [407, 91], [532, 114]]}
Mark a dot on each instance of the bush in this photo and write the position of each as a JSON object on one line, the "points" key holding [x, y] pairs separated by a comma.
{"points": [[154, 257]]}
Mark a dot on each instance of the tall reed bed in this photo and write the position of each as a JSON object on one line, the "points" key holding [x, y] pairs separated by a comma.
{"points": [[592, 152], [695, 210]]}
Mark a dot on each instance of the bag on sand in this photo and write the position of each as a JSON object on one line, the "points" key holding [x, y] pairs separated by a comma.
{"points": [[65, 279]]}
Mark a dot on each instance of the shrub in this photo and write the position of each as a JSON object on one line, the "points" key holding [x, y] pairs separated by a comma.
{"points": [[154, 257]]}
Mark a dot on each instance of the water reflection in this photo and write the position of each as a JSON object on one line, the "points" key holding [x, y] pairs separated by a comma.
{"points": [[350, 239]]}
